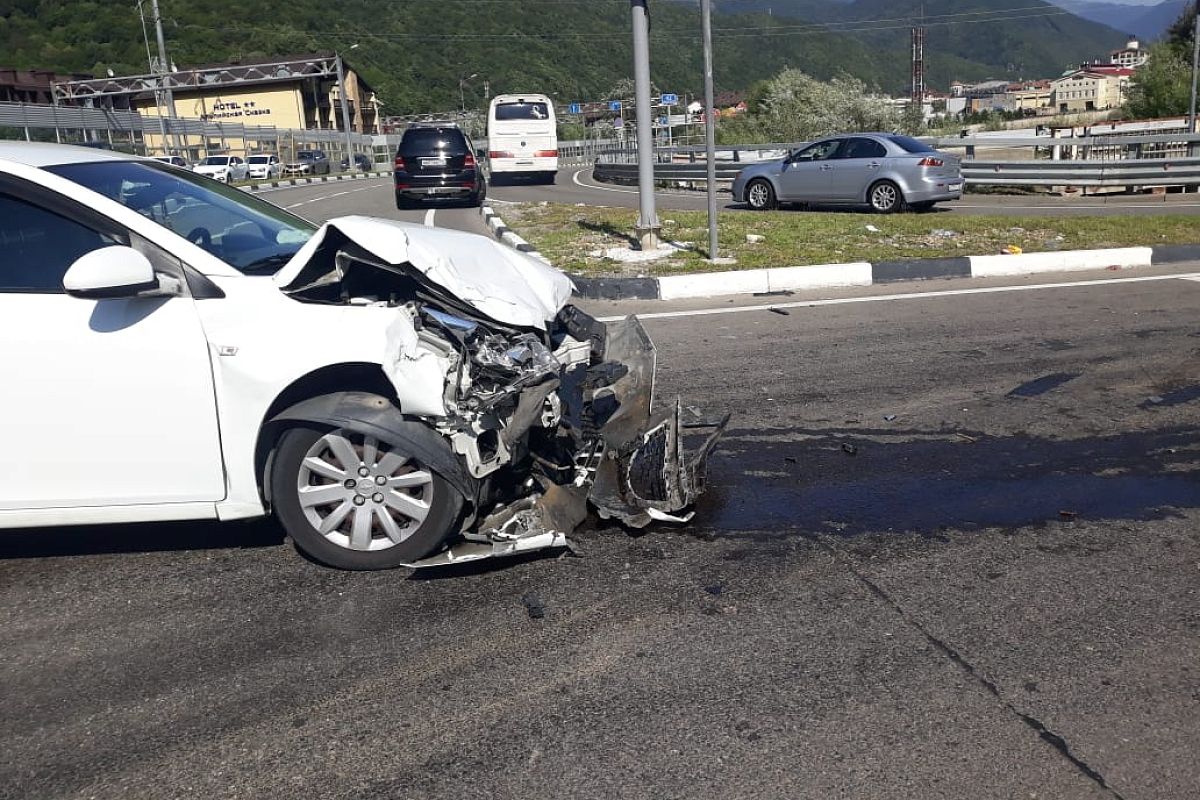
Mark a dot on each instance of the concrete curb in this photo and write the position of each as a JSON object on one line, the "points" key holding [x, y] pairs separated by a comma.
{"points": [[506, 235], [287, 183], [821, 276]]}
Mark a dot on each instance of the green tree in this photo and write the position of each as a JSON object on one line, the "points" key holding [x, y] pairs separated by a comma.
{"points": [[1162, 86]]}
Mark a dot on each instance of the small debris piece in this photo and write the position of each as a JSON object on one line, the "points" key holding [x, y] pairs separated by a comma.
{"points": [[776, 293], [966, 438], [1011, 250], [872, 229], [888, 417], [1155, 400], [1068, 514], [781, 311], [789, 459], [849, 449], [533, 605], [942, 233], [714, 589], [755, 238]]}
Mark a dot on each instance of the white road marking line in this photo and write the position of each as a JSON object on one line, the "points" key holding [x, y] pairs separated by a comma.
{"points": [[328, 196], [1192, 276], [429, 217]]}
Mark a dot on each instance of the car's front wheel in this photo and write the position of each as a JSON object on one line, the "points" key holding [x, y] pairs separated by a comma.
{"points": [[760, 195], [351, 501]]}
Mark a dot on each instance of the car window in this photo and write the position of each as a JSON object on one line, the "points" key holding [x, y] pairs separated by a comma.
{"points": [[216, 161], [911, 145], [862, 148], [820, 151], [40, 245], [240, 229], [531, 111], [424, 140]]}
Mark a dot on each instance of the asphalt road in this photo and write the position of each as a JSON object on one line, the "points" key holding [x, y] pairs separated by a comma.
{"points": [[904, 582]]}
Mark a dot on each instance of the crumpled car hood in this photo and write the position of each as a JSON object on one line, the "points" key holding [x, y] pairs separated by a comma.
{"points": [[501, 283]]}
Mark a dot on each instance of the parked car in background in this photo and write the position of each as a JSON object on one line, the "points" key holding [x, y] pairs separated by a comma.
{"points": [[437, 161], [175, 161], [362, 162], [393, 393], [222, 168], [308, 162], [264, 165], [886, 171]]}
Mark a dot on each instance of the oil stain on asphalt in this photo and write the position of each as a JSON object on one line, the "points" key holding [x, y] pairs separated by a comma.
{"points": [[929, 482]]}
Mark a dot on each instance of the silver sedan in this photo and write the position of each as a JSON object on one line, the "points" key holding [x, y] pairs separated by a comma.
{"points": [[886, 171]]}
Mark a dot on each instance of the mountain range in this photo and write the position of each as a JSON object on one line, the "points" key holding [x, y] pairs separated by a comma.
{"points": [[1146, 22], [418, 53]]}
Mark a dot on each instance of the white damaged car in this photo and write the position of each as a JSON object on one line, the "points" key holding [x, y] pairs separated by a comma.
{"points": [[174, 349]]}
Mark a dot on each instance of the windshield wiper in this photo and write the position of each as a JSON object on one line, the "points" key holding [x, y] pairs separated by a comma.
{"points": [[270, 263]]}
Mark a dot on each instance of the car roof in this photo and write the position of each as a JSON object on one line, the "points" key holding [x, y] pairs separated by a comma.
{"points": [[45, 154]]}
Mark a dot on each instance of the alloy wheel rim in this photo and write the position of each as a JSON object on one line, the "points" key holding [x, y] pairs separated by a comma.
{"points": [[758, 195], [885, 197], [361, 495]]}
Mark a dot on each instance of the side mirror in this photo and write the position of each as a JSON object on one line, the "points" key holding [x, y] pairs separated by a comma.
{"points": [[110, 272]]}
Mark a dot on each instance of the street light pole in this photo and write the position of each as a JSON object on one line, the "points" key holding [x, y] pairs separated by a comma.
{"points": [[710, 127], [647, 224], [462, 98], [345, 101], [164, 67], [1195, 69]]}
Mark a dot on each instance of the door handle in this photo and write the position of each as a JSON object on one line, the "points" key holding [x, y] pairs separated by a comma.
{"points": [[874, 165], [826, 167]]}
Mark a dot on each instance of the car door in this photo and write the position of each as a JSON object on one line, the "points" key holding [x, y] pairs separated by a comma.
{"points": [[805, 176], [106, 402], [855, 167]]}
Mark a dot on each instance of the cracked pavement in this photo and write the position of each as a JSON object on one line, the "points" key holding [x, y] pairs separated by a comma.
{"points": [[985, 596]]}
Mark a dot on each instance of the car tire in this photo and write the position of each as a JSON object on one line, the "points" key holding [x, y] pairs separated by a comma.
{"points": [[372, 525], [885, 197], [760, 195]]}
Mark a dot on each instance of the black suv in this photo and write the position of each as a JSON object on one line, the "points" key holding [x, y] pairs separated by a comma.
{"points": [[437, 161]]}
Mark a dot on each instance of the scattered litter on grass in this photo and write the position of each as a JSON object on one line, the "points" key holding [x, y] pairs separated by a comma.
{"points": [[627, 255], [872, 229], [1011, 250], [755, 238]]}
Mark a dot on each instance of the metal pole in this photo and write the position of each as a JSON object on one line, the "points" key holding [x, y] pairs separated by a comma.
{"points": [[710, 127], [345, 100], [163, 67], [647, 223], [1195, 69]]}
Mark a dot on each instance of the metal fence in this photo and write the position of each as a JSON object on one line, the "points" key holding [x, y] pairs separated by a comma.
{"points": [[1109, 161]]}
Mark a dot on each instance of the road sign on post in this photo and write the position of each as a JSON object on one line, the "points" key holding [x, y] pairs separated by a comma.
{"points": [[575, 108], [614, 105], [669, 99]]}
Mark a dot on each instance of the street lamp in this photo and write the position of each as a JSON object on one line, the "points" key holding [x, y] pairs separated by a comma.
{"points": [[345, 101], [462, 98]]}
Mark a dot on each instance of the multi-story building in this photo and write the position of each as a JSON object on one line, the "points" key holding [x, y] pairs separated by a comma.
{"points": [[1092, 87], [1131, 56]]}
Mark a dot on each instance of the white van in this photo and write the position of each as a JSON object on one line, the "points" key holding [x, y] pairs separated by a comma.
{"points": [[523, 136]]}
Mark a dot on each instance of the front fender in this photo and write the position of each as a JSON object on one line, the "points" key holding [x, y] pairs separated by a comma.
{"points": [[376, 415]]}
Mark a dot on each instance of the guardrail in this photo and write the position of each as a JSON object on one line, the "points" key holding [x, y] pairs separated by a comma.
{"points": [[1141, 161]]}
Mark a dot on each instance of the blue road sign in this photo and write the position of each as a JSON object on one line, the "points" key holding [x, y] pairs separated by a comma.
{"points": [[575, 108], [670, 99], [614, 105]]}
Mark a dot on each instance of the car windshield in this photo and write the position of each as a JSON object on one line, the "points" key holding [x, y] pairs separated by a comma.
{"points": [[911, 145], [422, 140], [217, 161], [507, 111], [259, 160], [306, 155], [243, 231]]}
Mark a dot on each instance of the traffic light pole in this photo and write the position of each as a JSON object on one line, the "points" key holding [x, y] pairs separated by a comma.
{"points": [[648, 228]]}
